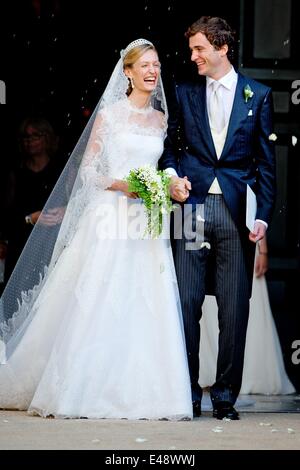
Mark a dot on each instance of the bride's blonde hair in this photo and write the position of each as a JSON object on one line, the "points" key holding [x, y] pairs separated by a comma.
{"points": [[132, 56]]}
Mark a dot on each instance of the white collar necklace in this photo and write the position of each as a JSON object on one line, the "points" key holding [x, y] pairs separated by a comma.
{"points": [[143, 110]]}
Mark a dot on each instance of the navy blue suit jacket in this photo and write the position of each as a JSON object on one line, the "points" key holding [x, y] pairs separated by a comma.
{"points": [[248, 154]]}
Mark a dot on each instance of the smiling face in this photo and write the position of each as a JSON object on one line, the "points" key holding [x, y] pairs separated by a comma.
{"points": [[211, 62], [145, 71]]}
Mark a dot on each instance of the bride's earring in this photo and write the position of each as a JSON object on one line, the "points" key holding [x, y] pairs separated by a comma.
{"points": [[131, 83]]}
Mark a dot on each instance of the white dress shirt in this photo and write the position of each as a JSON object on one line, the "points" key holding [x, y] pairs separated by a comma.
{"points": [[226, 92]]}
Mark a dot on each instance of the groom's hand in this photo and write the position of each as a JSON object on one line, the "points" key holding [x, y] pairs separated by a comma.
{"points": [[258, 232], [180, 188]]}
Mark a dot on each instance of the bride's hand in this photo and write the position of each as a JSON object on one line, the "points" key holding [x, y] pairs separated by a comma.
{"points": [[131, 195], [124, 189], [120, 185]]}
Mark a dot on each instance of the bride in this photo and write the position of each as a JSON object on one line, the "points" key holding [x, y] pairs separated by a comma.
{"points": [[91, 322]]}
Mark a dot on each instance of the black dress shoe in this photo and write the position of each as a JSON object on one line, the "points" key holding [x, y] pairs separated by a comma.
{"points": [[224, 409], [196, 409]]}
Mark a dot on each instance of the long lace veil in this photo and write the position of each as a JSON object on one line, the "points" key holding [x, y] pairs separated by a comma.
{"points": [[59, 218]]}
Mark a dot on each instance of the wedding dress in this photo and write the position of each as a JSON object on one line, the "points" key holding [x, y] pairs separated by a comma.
{"points": [[107, 337], [264, 371]]}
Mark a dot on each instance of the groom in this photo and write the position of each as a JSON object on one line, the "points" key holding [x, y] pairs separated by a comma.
{"points": [[218, 142]]}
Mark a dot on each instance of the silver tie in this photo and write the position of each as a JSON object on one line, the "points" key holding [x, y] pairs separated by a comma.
{"points": [[216, 109]]}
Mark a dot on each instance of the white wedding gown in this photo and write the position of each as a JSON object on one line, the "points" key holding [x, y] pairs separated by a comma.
{"points": [[107, 338], [264, 371]]}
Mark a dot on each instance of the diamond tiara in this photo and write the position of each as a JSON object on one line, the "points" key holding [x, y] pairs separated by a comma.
{"points": [[133, 44]]}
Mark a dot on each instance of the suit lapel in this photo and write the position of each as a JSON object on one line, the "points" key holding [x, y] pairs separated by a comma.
{"points": [[239, 112], [198, 101]]}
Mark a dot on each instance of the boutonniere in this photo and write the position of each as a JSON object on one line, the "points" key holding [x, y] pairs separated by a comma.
{"points": [[248, 93], [273, 137]]}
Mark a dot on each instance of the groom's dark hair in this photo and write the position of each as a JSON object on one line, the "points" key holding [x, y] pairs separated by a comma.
{"points": [[217, 31]]}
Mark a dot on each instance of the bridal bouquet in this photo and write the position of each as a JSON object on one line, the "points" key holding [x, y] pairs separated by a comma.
{"points": [[152, 186]]}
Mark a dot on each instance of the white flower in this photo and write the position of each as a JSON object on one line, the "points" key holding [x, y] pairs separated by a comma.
{"points": [[205, 244], [290, 430], [273, 137], [248, 93], [294, 140], [217, 429], [152, 186]]}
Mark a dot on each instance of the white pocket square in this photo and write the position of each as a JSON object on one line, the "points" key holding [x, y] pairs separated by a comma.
{"points": [[250, 113]]}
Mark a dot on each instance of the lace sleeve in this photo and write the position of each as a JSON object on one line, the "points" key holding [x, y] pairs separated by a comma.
{"points": [[94, 168], [164, 121]]}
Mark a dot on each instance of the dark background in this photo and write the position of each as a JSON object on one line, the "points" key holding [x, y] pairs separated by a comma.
{"points": [[57, 55]]}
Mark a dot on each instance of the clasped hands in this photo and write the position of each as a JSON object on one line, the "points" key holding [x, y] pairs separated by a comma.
{"points": [[180, 188]]}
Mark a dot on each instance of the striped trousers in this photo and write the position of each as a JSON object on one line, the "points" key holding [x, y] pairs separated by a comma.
{"points": [[232, 295]]}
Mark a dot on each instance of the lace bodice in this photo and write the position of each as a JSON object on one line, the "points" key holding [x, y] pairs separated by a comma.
{"points": [[123, 138], [134, 150]]}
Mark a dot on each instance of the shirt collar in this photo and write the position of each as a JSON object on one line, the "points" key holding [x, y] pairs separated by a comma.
{"points": [[227, 80]]}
